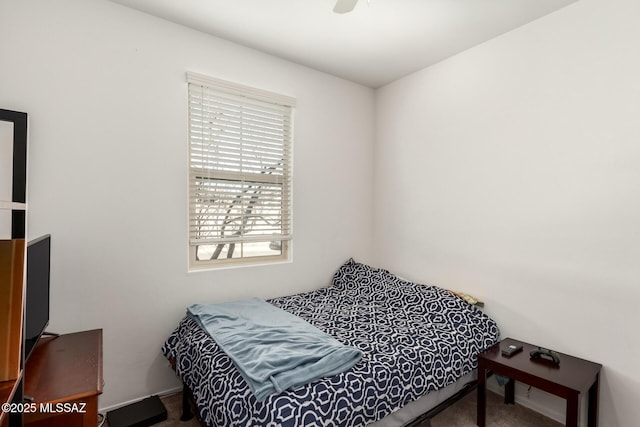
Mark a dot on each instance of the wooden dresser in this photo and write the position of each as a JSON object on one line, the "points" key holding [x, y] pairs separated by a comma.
{"points": [[64, 377]]}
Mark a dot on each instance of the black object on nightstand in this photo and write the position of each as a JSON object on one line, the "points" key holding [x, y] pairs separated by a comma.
{"points": [[510, 350], [545, 354]]}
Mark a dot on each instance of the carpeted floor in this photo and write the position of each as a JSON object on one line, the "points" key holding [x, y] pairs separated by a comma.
{"points": [[462, 414], [173, 403]]}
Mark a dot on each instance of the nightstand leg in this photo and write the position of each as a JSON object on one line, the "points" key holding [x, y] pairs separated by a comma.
{"points": [[573, 410], [593, 403], [509, 392], [482, 395]]}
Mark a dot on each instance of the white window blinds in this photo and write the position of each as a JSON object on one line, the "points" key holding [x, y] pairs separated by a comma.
{"points": [[240, 171]]}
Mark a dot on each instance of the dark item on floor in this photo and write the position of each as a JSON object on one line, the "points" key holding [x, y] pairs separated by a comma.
{"points": [[144, 413]]}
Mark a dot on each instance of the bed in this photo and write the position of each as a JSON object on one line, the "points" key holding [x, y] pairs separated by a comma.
{"points": [[419, 345]]}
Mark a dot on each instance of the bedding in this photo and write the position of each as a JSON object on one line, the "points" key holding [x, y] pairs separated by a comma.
{"points": [[273, 349], [414, 339]]}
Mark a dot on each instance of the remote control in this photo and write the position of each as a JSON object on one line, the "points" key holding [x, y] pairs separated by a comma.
{"points": [[511, 350]]}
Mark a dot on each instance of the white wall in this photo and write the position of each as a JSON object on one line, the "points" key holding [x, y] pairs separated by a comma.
{"points": [[512, 171], [105, 90]]}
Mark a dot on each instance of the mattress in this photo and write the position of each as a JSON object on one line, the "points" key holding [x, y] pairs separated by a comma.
{"points": [[415, 340]]}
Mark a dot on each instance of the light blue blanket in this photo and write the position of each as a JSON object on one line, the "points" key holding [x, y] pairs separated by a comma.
{"points": [[274, 350]]}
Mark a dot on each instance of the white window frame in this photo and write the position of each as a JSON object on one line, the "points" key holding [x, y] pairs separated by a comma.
{"points": [[240, 172]]}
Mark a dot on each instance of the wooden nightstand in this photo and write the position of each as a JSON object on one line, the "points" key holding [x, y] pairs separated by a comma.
{"points": [[567, 380]]}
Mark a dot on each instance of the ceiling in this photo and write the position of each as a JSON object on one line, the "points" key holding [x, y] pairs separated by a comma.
{"points": [[375, 44]]}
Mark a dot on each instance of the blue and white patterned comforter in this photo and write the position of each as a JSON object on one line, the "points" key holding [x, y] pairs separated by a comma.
{"points": [[414, 338]]}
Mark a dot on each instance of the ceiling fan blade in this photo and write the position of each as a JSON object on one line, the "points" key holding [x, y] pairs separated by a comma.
{"points": [[344, 6]]}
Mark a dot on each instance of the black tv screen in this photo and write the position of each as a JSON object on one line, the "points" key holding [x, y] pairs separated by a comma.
{"points": [[36, 306]]}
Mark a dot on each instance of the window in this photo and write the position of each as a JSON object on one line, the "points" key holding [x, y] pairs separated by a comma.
{"points": [[239, 173]]}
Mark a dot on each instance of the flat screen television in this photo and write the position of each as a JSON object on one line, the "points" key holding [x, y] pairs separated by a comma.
{"points": [[36, 306]]}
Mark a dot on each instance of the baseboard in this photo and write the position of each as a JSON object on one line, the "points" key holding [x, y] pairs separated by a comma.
{"points": [[129, 402]]}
